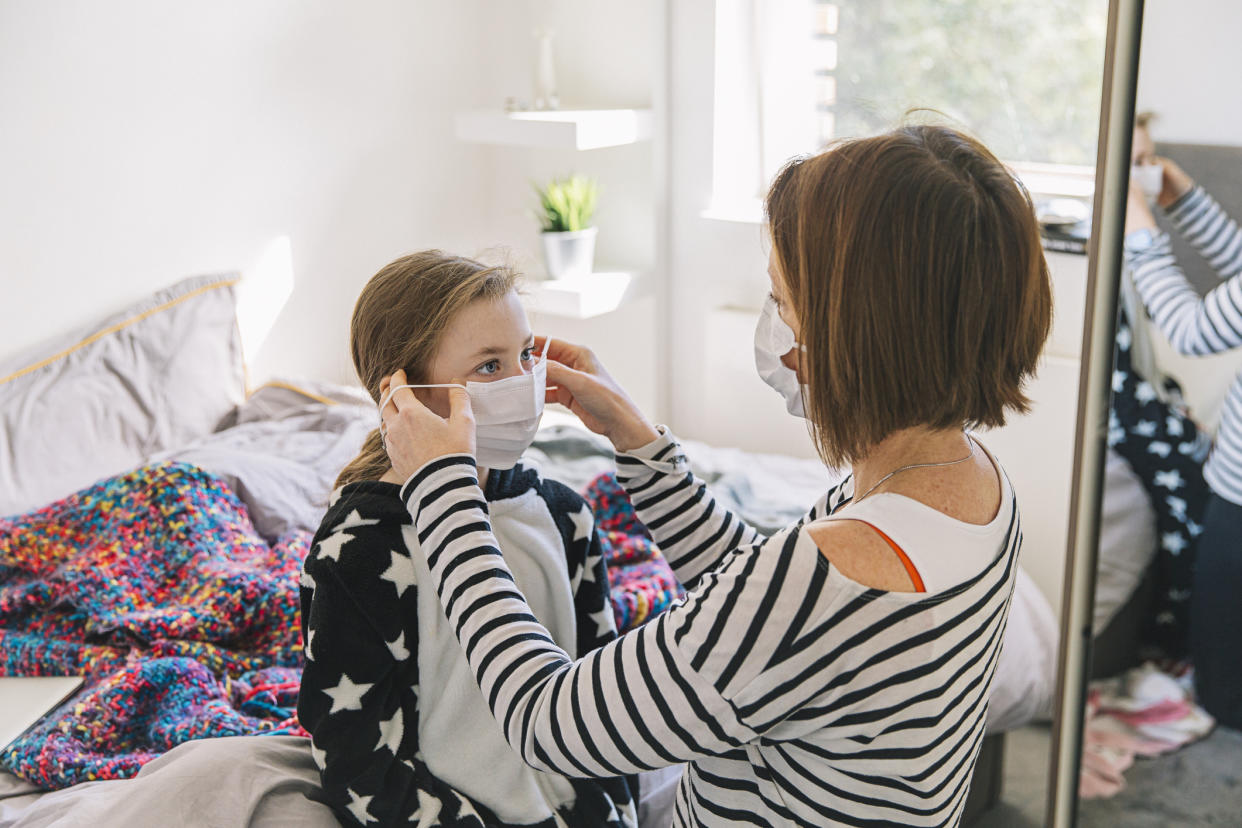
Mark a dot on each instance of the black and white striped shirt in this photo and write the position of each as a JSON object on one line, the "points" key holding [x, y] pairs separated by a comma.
{"points": [[796, 694], [1200, 325]]}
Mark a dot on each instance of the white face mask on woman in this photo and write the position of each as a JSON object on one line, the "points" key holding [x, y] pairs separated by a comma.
{"points": [[774, 339], [1150, 179], [506, 413]]}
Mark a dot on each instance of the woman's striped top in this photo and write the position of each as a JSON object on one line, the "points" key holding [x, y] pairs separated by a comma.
{"points": [[795, 694], [1200, 325]]}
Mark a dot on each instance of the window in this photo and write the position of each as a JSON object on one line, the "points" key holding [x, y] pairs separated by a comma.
{"points": [[792, 75]]}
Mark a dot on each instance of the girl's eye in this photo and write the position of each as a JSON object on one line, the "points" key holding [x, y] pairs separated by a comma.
{"points": [[528, 354], [489, 367], [772, 296]]}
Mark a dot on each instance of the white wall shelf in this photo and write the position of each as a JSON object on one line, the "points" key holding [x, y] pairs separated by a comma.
{"points": [[579, 297], [575, 129]]}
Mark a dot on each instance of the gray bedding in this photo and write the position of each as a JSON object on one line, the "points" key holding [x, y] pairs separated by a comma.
{"points": [[259, 781], [228, 782], [282, 449]]}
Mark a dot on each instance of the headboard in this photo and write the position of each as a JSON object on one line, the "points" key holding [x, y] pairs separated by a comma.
{"points": [[1219, 170]]}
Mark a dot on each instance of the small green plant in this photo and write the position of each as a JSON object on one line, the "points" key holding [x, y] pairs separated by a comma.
{"points": [[567, 204]]}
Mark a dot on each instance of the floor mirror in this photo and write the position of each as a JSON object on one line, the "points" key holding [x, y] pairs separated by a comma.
{"points": [[1149, 711]]}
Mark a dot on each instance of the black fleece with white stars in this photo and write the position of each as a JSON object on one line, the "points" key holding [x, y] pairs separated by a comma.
{"points": [[360, 688]]}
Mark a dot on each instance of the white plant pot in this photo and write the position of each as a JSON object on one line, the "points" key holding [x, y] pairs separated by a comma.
{"points": [[570, 253]]}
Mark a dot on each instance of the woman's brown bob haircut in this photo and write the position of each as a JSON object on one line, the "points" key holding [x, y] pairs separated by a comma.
{"points": [[914, 266]]}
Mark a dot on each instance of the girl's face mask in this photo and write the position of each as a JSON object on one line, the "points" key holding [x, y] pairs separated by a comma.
{"points": [[506, 413], [774, 339]]}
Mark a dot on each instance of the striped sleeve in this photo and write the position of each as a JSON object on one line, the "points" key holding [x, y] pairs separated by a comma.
{"points": [[692, 529], [1204, 223], [646, 700], [1193, 324]]}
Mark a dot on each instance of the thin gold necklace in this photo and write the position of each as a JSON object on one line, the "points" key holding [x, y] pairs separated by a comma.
{"points": [[921, 466]]}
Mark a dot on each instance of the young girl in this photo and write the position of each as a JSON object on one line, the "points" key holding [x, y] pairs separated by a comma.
{"points": [[400, 731]]}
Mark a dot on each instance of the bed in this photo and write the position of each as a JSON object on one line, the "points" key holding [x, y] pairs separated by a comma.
{"points": [[162, 385]]}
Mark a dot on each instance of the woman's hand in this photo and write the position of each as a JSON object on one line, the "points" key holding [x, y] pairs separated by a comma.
{"points": [[585, 388], [414, 435], [1176, 182]]}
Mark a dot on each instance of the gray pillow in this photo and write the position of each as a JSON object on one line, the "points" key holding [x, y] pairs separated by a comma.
{"points": [[285, 450], [100, 400]]}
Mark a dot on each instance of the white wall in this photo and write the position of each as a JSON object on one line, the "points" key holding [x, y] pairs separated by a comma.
{"points": [[608, 55], [143, 142], [1189, 56], [715, 265]]}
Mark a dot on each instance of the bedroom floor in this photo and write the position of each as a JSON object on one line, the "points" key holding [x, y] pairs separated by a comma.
{"points": [[1198, 785]]}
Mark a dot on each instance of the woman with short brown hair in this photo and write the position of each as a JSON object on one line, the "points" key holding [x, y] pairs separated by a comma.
{"points": [[836, 673]]}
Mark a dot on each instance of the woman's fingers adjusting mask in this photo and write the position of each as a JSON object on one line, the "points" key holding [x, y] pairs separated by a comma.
{"points": [[414, 435], [578, 381]]}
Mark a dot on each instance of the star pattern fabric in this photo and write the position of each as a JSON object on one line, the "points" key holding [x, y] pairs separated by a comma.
{"points": [[360, 696], [333, 543], [1166, 449]]}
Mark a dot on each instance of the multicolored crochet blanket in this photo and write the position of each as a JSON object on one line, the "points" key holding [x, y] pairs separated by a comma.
{"points": [[155, 586], [642, 583]]}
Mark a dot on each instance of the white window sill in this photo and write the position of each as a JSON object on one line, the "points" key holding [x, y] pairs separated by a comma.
{"points": [[738, 210], [1056, 179], [1039, 179]]}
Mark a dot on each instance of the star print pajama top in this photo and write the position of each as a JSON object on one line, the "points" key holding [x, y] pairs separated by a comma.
{"points": [[400, 730]]}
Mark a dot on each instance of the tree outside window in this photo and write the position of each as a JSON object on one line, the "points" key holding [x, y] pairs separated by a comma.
{"points": [[1024, 77]]}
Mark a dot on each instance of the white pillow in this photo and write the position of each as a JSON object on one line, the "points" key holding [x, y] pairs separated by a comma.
{"points": [[1023, 685], [1127, 539], [100, 400]]}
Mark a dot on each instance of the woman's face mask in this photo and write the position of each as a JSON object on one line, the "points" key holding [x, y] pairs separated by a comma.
{"points": [[1150, 179], [774, 339], [506, 413]]}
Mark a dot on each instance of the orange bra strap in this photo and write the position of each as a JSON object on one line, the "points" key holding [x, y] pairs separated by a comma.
{"points": [[902, 556]]}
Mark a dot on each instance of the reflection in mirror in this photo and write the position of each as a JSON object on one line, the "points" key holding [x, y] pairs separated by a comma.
{"points": [[1161, 743]]}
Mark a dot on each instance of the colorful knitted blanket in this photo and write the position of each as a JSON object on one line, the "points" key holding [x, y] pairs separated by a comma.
{"points": [[642, 583], [155, 587]]}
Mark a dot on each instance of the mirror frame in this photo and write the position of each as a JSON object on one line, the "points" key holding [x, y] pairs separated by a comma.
{"points": [[1112, 178]]}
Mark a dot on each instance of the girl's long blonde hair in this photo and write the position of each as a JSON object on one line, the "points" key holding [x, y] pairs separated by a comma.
{"points": [[397, 324]]}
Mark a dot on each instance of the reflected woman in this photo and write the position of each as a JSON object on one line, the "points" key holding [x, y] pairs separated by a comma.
{"points": [[1198, 325]]}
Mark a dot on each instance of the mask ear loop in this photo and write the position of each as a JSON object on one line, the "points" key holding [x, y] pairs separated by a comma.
{"points": [[543, 356]]}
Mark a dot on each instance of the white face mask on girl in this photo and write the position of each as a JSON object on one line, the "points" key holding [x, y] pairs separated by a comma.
{"points": [[774, 339], [506, 413]]}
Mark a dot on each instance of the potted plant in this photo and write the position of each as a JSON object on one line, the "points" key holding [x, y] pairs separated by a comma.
{"points": [[566, 208]]}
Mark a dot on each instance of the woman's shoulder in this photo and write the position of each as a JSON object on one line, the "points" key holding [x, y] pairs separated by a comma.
{"points": [[860, 553], [900, 545]]}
